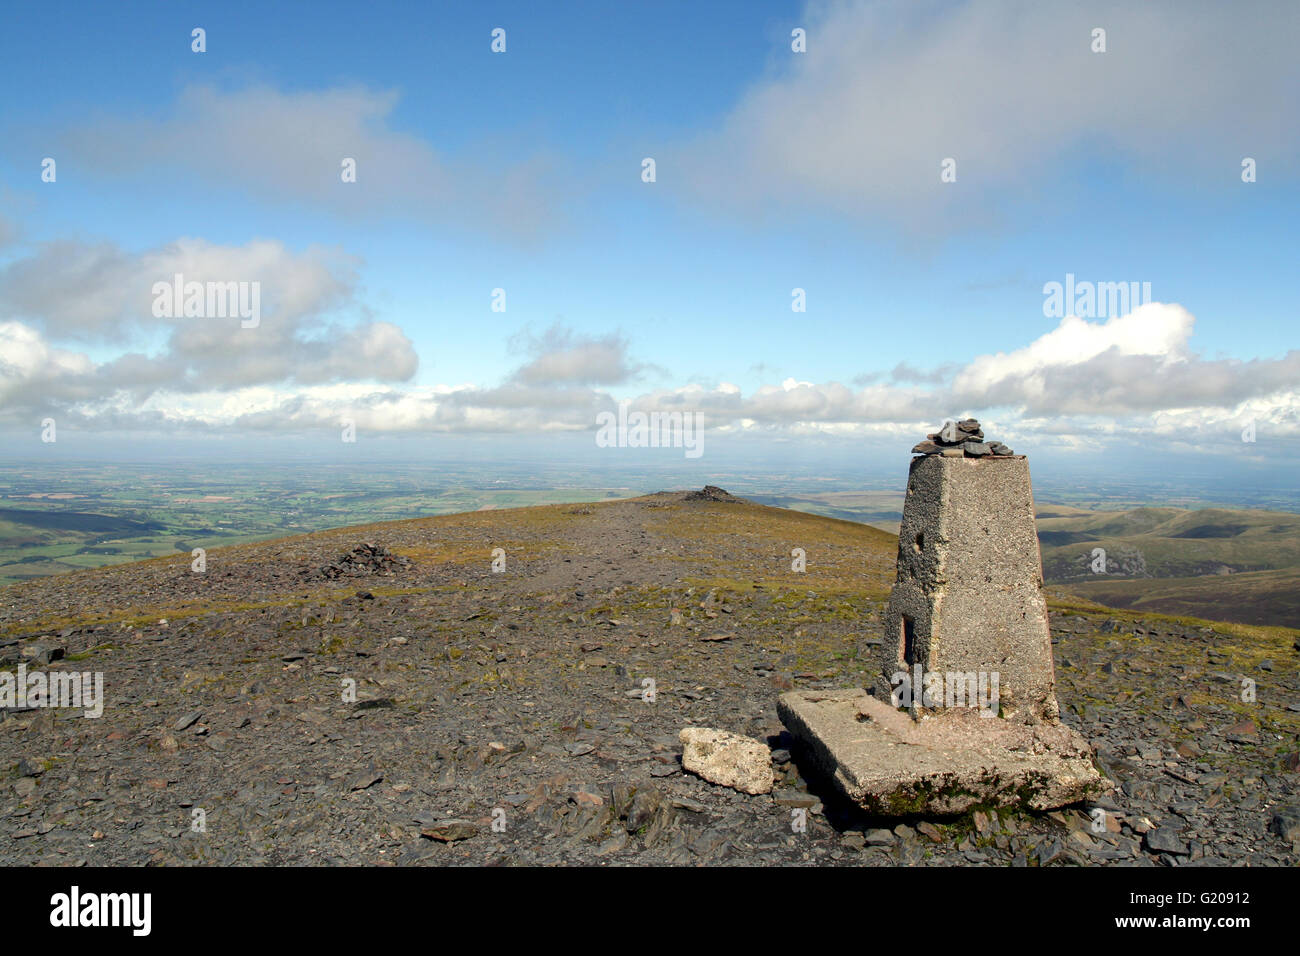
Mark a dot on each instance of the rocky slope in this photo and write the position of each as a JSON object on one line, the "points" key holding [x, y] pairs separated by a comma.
{"points": [[532, 714]]}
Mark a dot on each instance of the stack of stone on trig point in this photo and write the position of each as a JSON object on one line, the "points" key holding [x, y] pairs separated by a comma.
{"points": [[963, 439], [964, 713]]}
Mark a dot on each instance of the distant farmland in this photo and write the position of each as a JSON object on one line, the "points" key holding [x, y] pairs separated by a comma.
{"points": [[84, 521]]}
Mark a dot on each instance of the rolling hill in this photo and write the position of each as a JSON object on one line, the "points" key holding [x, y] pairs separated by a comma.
{"points": [[1225, 564], [383, 694]]}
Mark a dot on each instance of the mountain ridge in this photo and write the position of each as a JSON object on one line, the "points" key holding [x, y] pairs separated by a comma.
{"points": [[379, 694]]}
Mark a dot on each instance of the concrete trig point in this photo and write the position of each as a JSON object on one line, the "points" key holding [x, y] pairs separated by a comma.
{"points": [[966, 614], [969, 590]]}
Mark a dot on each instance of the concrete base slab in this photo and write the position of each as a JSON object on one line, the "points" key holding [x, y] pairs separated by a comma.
{"points": [[892, 765]]}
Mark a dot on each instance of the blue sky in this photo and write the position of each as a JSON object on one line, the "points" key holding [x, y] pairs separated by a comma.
{"points": [[775, 170]]}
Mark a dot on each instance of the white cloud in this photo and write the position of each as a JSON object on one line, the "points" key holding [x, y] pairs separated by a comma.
{"points": [[283, 145], [1140, 363], [1156, 330], [101, 292], [32, 372], [1082, 386], [1009, 89], [562, 357], [70, 292]]}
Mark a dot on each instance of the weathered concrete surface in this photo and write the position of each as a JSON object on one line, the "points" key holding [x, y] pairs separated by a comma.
{"points": [[890, 764], [970, 581], [727, 759]]}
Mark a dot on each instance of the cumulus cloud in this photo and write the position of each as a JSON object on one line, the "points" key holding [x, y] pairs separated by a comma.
{"points": [[1140, 362], [1130, 377], [560, 356], [101, 292], [1009, 89], [75, 289], [1154, 331], [32, 372], [291, 145], [69, 292]]}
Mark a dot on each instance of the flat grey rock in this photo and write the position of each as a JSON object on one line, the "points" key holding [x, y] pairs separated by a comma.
{"points": [[188, 720], [1286, 824], [1165, 840], [880, 837], [42, 652]]}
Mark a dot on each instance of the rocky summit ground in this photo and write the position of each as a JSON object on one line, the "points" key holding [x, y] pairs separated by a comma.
{"points": [[502, 717]]}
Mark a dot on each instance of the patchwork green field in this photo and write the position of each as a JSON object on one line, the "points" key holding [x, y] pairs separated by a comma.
{"points": [[105, 515]]}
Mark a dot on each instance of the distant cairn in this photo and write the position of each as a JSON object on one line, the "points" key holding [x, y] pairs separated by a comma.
{"points": [[963, 439], [710, 493], [365, 559]]}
